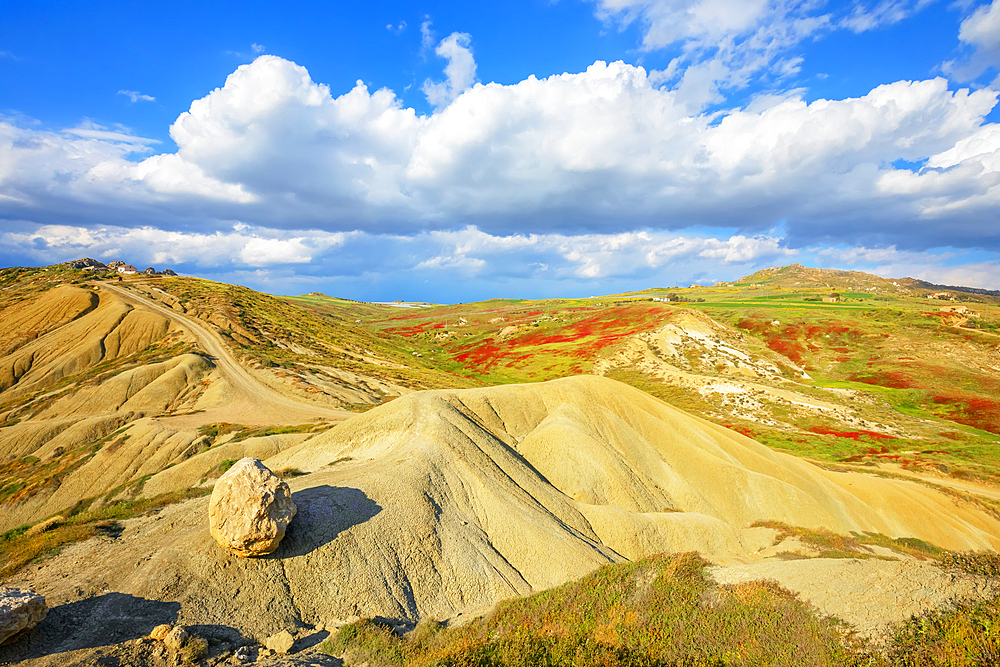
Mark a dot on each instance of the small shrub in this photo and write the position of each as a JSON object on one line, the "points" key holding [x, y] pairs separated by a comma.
{"points": [[194, 649], [14, 532], [369, 640], [985, 563], [967, 635], [46, 525], [289, 472]]}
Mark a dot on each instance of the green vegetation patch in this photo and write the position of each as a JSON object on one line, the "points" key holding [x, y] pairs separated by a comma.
{"points": [[659, 611], [966, 635], [855, 545]]}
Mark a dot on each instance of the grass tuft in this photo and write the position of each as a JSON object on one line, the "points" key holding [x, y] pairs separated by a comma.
{"points": [[193, 650]]}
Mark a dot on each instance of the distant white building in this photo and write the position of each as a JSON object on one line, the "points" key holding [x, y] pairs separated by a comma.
{"points": [[961, 310], [127, 269]]}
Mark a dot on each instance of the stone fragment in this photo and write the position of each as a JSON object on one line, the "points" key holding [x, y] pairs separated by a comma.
{"points": [[160, 632], [242, 654], [280, 643], [175, 638], [20, 610], [250, 509]]}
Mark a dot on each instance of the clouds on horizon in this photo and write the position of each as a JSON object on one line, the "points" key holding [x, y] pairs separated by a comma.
{"points": [[429, 264]]}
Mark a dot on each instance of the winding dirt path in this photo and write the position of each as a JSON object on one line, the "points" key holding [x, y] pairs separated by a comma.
{"points": [[251, 401]]}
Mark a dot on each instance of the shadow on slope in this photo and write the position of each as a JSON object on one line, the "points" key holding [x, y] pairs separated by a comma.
{"points": [[104, 620], [323, 512]]}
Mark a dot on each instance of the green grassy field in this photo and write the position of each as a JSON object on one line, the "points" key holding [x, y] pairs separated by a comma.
{"points": [[930, 382]]}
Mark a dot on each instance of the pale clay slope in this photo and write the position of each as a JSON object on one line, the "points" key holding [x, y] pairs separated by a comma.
{"points": [[68, 330], [453, 500], [872, 595], [26, 320], [112, 329], [249, 397]]}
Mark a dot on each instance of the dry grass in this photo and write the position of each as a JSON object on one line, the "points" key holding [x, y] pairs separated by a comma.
{"points": [[834, 545], [659, 611], [21, 546], [663, 612]]}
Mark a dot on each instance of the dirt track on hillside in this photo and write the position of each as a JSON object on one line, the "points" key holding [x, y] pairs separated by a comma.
{"points": [[248, 399]]}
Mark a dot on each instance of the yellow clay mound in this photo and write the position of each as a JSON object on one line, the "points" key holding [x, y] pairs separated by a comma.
{"points": [[446, 501], [113, 329], [26, 320]]}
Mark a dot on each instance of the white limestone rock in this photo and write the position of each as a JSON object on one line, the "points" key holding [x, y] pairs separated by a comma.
{"points": [[250, 509], [20, 610]]}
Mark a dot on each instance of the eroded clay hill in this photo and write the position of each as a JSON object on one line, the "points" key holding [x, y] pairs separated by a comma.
{"points": [[94, 384], [444, 502]]}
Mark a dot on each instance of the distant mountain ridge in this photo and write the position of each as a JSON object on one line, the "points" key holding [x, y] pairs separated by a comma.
{"points": [[797, 275], [956, 288]]}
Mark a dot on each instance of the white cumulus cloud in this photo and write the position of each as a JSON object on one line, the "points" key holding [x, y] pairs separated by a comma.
{"points": [[460, 72], [604, 151], [980, 32], [135, 96], [727, 44]]}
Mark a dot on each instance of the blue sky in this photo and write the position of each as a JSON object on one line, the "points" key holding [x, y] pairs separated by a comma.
{"points": [[451, 151]]}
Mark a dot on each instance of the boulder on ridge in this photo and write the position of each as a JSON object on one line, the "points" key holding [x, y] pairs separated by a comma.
{"points": [[250, 509]]}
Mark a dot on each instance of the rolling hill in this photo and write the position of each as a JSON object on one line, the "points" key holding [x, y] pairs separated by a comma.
{"points": [[445, 457]]}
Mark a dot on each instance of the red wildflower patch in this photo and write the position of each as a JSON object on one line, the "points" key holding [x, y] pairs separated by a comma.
{"points": [[410, 331], [790, 348], [853, 435], [742, 430], [589, 336], [792, 340], [483, 356], [976, 411], [891, 379]]}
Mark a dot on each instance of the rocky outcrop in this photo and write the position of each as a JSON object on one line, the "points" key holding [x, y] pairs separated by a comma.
{"points": [[250, 509], [20, 610], [281, 643], [175, 638]]}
